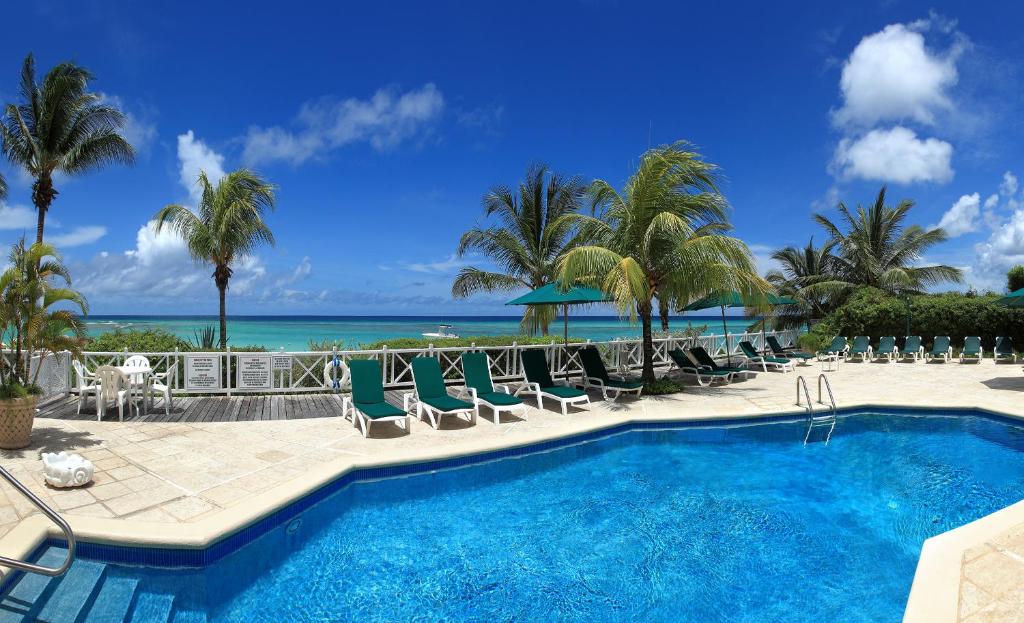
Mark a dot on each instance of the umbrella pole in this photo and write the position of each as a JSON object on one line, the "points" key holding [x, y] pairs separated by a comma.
{"points": [[725, 328], [565, 320]]}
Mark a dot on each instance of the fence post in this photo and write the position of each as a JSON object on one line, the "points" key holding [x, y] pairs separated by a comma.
{"points": [[387, 371], [227, 384], [174, 381], [334, 368]]}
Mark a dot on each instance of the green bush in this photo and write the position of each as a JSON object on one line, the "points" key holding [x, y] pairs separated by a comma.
{"points": [[1015, 278], [13, 391], [139, 341], [662, 387], [874, 313]]}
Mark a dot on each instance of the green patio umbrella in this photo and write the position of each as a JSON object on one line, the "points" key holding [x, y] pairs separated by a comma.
{"points": [[552, 295], [734, 299], [1013, 299]]}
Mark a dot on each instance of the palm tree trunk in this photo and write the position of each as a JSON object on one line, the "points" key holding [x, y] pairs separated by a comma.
{"points": [[43, 194], [663, 313], [222, 289], [644, 310]]}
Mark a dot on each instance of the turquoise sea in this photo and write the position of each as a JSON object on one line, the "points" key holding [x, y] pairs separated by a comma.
{"points": [[294, 332]]}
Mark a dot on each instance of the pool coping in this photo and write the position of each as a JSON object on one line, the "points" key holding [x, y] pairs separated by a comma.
{"points": [[934, 595]]}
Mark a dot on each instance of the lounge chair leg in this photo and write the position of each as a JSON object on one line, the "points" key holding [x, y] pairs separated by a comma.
{"points": [[565, 407]]}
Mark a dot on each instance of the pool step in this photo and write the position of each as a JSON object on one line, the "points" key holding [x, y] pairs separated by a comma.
{"points": [[22, 601], [189, 616], [152, 608], [73, 593], [114, 600]]}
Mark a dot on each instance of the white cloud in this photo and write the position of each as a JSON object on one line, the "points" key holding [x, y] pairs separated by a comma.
{"points": [[17, 217], [989, 211], [894, 155], [962, 217], [78, 236], [301, 271], [448, 265], [1005, 247], [385, 120], [1009, 185], [763, 257], [893, 76], [194, 156]]}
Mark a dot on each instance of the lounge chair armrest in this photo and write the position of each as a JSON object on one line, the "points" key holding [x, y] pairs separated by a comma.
{"points": [[503, 387], [595, 380], [472, 393], [407, 399]]}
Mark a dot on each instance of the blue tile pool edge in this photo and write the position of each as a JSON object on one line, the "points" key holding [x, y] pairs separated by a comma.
{"points": [[177, 557]]}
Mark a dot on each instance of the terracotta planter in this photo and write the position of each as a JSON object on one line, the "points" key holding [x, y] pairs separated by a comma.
{"points": [[16, 417]]}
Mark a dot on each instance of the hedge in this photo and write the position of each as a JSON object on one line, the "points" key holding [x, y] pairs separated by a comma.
{"points": [[874, 313], [150, 341]]}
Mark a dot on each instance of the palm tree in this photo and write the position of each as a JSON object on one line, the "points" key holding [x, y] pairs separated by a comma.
{"points": [[877, 249], [3, 188], [663, 236], [60, 127], [229, 226], [800, 268], [35, 309], [536, 226]]}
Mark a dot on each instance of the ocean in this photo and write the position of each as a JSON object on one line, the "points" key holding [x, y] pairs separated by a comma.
{"points": [[293, 333]]}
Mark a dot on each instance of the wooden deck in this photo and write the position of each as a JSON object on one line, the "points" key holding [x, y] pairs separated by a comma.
{"points": [[216, 408]]}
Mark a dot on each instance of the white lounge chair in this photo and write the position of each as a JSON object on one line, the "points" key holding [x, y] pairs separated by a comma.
{"points": [[538, 381], [482, 390], [431, 394], [941, 349], [755, 358], [912, 348], [367, 403], [887, 349]]}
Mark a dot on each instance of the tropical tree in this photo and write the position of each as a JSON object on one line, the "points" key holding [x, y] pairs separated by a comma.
{"points": [[3, 188], [798, 269], [1015, 278], [662, 236], [874, 247], [60, 127], [37, 311], [537, 225], [227, 226]]}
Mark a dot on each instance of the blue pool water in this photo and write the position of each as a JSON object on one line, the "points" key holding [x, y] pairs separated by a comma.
{"points": [[704, 524]]}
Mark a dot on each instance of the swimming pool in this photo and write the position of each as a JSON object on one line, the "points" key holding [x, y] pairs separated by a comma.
{"points": [[702, 523]]}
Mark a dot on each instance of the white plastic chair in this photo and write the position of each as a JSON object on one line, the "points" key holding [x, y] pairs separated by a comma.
{"points": [[85, 382], [160, 385], [114, 387]]}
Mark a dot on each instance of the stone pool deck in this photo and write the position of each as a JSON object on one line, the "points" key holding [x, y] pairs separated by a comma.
{"points": [[185, 479]]}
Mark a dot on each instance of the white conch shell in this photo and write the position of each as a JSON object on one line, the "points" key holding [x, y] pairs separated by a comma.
{"points": [[66, 470]]}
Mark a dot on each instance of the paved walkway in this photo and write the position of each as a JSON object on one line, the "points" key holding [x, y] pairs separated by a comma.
{"points": [[188, 468]]}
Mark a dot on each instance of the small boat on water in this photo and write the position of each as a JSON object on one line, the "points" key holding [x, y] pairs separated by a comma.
{"points": [[444, 332]]}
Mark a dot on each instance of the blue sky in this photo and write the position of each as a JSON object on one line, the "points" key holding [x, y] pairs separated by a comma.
{"points": [[383, 126]]}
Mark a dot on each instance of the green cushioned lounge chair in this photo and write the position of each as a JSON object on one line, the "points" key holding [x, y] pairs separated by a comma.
{"points": [[704, 359], [941, 349], [705, 376], [476, 369], [1004, 349], [367, 403], [787, 353], [431, 394], [972, 349], [538, 381], [887, 349], [595, 374], [837, 348], [755, 358], [861, 348], [912, 348]]}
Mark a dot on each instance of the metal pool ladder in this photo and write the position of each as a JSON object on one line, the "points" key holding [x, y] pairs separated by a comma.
{"points": [[55, 518], [813, 421]]}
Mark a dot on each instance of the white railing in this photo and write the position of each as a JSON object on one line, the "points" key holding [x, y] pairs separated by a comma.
{"points": [[296, 372]]}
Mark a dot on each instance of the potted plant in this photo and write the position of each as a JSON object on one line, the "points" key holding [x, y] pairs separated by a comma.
{"points": [[37, 320]]}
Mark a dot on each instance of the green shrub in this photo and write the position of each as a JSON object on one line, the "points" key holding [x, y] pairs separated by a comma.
{"points": [[1015, 278], [662, 387], [139, 341], [874, 313], [13, 391]]}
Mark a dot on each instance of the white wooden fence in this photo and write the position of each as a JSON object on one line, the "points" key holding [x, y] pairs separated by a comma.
{"points": [[233, 372]]}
